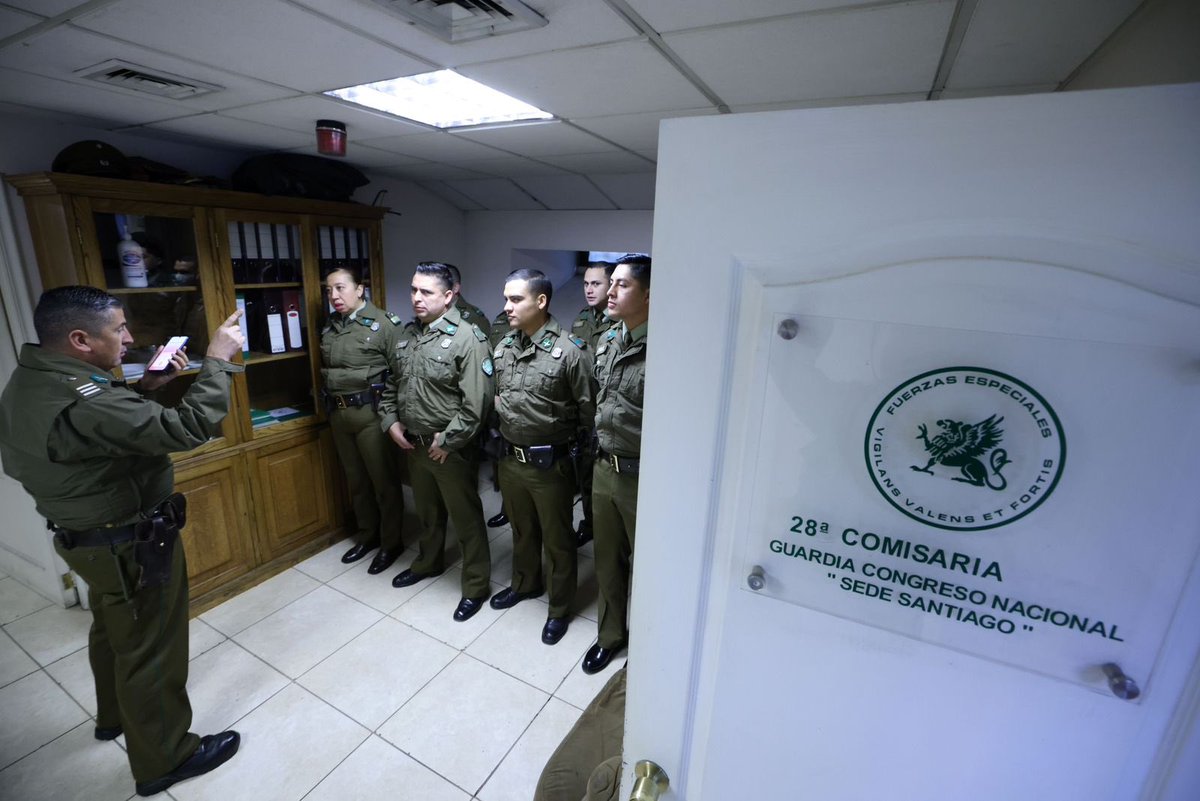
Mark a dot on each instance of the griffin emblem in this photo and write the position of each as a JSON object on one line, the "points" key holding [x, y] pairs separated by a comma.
{"points": [[962, 445]]}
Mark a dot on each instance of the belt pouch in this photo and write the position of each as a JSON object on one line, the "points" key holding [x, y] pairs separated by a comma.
{"points": [[540, 456], [153, 549]]}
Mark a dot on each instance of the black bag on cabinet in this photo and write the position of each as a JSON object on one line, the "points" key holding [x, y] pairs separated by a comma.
{"points": [[298, 175]]}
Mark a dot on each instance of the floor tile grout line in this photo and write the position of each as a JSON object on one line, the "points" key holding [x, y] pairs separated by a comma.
{"points": [[269, 614]]}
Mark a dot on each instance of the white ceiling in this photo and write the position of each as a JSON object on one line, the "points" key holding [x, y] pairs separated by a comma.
{"points": [[609, 70]]}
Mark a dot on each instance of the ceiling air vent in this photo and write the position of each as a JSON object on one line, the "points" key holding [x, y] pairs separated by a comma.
{"points": [[463, 20], [135, 78]]}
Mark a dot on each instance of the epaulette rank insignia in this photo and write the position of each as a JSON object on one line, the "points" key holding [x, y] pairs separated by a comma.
{"points": [[579, 343], [395, 318], [488, 369], [88, 390], [482, 337]]}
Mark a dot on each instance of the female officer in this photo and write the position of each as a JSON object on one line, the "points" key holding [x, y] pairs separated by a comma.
{"points": [[355, 346]]}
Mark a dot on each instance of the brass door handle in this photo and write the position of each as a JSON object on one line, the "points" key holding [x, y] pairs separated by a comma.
{"points": [[650, 781]]}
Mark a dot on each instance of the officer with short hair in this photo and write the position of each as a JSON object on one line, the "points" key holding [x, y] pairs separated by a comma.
{"points": [[471, 314], [590, 323], [544, 399], [434, 407], [621, 373], [94, 452]]}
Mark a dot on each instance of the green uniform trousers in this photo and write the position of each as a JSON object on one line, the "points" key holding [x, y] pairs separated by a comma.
{"points": [[451, 489], [539, 506], [586, 766], [614, 510], [370, 461], [140, 665], [586, 468]]}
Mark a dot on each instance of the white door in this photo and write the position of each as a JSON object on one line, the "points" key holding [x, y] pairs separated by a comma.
{"points": [[25, 550], [937, 618]]}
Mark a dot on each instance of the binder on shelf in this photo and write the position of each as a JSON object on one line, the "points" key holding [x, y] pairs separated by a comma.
{"points": [[236, 250], [275, 329]]}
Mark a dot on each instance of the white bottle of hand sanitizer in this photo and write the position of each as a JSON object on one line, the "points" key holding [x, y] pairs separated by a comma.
{"points": [[133, 262]]}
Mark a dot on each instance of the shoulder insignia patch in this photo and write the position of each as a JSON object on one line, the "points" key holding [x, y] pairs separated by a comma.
{"points": [[488, 369], [579, 343], [367, 321], [508, 340], [556, 353], [482, 337], [451, 328], [88, 390], [611, 335], [99, 379], [395, 318], [546, 342]]}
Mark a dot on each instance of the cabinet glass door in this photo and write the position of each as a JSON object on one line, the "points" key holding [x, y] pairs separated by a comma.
{"points": [[342, 247], [149, 261], [266, 264]]}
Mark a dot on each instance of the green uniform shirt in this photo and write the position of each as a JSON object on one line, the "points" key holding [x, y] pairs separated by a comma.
{"points": [[621, 373], [441, 380], [544, 386], [93, 452], [500, 329], [590, 325], [473, 315], [355, 351]]}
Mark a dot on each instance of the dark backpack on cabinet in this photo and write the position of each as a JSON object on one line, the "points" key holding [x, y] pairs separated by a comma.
{"points": [[298, 175]]}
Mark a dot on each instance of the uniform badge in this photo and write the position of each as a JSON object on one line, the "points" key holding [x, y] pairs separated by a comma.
{"points": [[556, 353], [488, 369], [374, 326], [88, 390], [99, 379], [446, 342], [600, 350], [498, 352], [451, 328], [546, 342], [402, 344], [508, 340], [577, 324]]}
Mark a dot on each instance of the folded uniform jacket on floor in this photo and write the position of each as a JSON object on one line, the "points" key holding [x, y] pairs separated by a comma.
{"points": [[586, 766]]}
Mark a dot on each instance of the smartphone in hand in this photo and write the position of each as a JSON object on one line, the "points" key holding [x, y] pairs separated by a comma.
{"points": [[163, 360]]}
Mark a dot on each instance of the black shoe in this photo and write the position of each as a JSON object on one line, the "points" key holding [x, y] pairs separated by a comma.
{"points": [[214, 750], [554, 630], [407, 578], [496, 521], [598, 657], [509, 597], [359, 551], [467, 608], [108, 732], [383, 560], [583, 535]]}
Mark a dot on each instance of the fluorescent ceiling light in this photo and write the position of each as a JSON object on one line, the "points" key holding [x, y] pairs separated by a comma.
{"points": [[443, 99]]}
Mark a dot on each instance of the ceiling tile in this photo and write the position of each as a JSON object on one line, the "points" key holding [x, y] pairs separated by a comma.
{"points": [[635, 131], [219, 128], [572, 24], [12, 22], [271, 39], [64, 51], [563, 192], [301, 114], [602, 162], [628, 191], [1030, 42], [676, 15], [512, 167], [45, 8], [433, 170], [541, 139], [497, 193], [122, 109], [453, 196], [434, 146], [880, 50], [363, 157], [832, 102], [620, 78]]}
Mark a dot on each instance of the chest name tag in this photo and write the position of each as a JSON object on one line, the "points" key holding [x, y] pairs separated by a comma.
{"points": [[445, 343], [402, 345], [556, 353]]}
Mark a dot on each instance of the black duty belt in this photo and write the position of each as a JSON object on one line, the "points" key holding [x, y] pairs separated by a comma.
{"points": [[524, 453], [92, 537], [350, 400], [419, 439], [621, 464]]}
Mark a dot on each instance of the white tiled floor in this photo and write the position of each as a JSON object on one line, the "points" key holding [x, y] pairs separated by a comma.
{"points": [[342, 687]]}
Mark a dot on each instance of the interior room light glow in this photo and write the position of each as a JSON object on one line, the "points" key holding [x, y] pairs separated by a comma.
{"points": [[443, 99]]}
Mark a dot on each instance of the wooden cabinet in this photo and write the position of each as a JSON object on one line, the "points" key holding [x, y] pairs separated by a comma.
{"points": [[268, 490]]}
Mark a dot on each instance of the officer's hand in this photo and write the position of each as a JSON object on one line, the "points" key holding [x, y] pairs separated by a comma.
{"points": [[227, 340], [436, 452], [151, 381], [396, 432]]}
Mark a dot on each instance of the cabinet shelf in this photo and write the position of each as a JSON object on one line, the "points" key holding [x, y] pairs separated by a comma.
{"points": [[271, 285], [150, 290], [258, 357]]}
